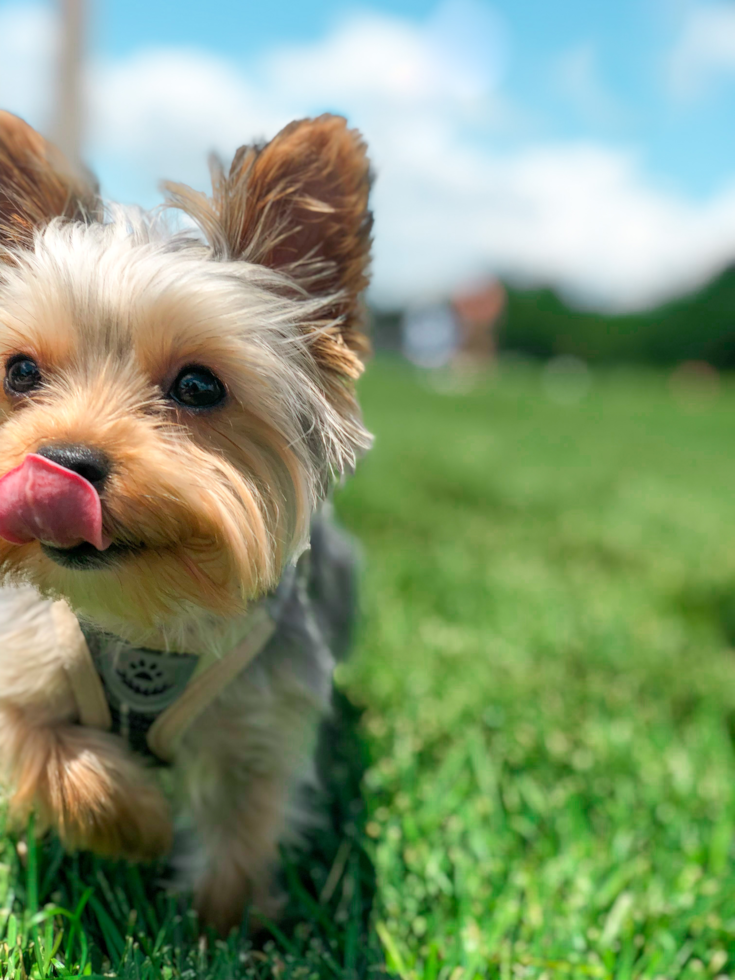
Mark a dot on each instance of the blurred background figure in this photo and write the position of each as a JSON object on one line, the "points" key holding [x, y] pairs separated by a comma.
{"points": [[430, 335], [478, 312], [461, 332]]}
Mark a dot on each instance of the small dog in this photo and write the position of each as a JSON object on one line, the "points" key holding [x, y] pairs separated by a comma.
{"points": [[176, 406]]}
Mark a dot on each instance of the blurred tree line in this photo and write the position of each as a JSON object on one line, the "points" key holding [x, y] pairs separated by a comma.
{"points": [[699, 326]]}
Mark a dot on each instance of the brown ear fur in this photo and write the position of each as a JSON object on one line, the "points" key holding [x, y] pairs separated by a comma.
{"points": [[299, 204], [37, 183]]}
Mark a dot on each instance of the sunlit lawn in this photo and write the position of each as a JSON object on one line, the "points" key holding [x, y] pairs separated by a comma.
{"points": [[548, 683], [549, 676]]}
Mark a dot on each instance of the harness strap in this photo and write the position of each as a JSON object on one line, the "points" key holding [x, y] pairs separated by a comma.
{"points": [[89, 694], [166, 732]]}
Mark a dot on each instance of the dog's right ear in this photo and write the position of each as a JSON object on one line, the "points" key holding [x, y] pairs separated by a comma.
{"points": [[299, 205], [37, 184]]}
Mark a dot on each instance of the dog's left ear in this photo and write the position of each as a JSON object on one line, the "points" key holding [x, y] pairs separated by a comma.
{"points": [[37, 184], [299, 204]]}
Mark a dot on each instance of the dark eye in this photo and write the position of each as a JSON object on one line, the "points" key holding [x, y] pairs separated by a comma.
{"points": [[22, 375], [197, 387]]}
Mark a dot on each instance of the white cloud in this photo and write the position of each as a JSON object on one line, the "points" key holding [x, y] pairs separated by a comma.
{"points": [[160, 112], [449, 205], [584, 216], [454, 59], [705, 49]]}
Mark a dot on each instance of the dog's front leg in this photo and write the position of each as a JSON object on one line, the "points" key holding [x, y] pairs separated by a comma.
{"points": [[241, 765], [241, 853], [82, 783]]}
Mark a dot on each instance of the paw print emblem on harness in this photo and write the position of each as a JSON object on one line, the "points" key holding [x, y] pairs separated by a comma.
{"points": [[143, 676], [140, 680]]}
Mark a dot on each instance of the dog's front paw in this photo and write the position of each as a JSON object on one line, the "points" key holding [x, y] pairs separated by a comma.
{"points": [[85, 785], [221, 897], [130, 821]]}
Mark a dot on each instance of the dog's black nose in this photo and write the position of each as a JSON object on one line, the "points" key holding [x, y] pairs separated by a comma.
{"points": [[90, 463]]}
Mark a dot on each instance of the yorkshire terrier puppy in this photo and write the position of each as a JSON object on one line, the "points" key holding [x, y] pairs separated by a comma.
{"points": [[175, 408]]}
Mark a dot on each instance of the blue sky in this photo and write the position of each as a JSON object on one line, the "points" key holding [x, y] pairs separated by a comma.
{"points": [[589, 144], [689, 143]]}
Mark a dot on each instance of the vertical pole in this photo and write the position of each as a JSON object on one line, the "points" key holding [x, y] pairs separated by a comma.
{"points": [[69, 109]]}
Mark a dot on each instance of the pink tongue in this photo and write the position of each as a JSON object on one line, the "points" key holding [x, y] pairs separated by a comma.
{"points": [[40, 500]]}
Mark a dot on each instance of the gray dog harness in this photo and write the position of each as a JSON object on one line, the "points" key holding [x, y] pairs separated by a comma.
{"points": [[152, 697], [140, 684]]}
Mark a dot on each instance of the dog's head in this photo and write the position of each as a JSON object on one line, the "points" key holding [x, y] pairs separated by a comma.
{"points": [[174, 406]]}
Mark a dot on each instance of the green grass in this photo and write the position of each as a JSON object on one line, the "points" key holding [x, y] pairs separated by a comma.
{"points": [[542, 780]]}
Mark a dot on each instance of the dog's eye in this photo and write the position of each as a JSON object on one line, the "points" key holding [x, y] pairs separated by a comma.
{"points": [[197, 387], [22, 375]]}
